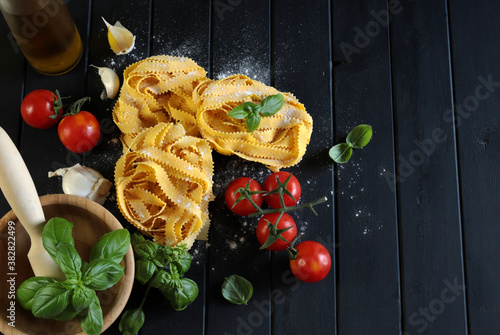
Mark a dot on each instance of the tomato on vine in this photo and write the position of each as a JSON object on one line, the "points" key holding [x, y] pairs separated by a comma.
{"points": [[41, 109], [310, 261], [79, 131], [282, 185], [276, 236], [238, 193]]}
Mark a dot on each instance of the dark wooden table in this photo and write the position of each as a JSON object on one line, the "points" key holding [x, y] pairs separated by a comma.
{"points": [[412, 221]]}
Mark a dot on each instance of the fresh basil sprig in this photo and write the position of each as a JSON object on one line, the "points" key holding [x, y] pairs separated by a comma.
{"points": [[161, 267], [251, 112], [357, 138], [237, 290], [48, 298]]}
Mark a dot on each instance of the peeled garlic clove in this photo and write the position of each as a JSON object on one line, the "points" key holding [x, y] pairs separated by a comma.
{"points": [[84, 182], [120, 39], [110, 80]]}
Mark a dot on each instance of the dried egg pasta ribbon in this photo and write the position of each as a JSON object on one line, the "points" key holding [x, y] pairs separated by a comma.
{"points": [[163, 183], [157, 89], [281, 139]]}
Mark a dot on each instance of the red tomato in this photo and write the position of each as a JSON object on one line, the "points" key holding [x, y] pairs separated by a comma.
{"points": [[243, 207], [285, 222], [41, 109], [313, 262], [79, 132], [293, 186]]}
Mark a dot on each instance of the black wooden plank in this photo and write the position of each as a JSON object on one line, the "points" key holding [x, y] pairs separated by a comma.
{"points": [[134, 16], [476, 77], [174, 32], [368, 264], [12, 67], [239, 44], [301, 62], [429, 213]]}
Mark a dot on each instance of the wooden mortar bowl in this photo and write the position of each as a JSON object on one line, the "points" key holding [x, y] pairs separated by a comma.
{"points": [[91, 221]]}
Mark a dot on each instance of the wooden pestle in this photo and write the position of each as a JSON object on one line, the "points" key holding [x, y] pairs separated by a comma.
{"points": [[19, 190]]}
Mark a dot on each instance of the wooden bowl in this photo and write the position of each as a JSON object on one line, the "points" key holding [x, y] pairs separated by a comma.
{"points": [[91, 221]]}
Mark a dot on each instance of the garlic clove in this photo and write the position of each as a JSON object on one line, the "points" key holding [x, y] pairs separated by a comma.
{"points": [[110, 80], [84, 182], [120, 38]]}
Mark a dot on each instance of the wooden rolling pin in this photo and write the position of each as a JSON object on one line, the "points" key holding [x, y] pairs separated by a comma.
{"points": [[19, 190]]}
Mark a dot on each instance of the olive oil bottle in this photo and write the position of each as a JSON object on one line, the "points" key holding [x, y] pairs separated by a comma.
{"points": [[45, 32]]}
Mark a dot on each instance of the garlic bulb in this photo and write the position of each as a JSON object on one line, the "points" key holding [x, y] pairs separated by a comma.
{"points": [[120, 38], [110, 80], [83, 181]]}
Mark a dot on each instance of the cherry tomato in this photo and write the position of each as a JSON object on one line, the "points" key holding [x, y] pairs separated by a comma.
{"points": [[285, 222], [243, 207], [293, 186], [41, 109], [313, 262], [79, 132]]}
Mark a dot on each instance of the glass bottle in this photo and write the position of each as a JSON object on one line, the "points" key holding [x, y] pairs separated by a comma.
{"points": [[45, 33]]}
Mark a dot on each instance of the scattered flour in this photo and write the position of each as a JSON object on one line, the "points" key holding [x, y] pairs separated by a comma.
{"points": [[248, 66]]}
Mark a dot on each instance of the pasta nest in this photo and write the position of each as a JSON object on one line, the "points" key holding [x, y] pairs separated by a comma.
{"points": [[280, 140], [164, 184], [157, 89]]}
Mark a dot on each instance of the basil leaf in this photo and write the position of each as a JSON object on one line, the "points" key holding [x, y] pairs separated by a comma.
{"points": [[101, 274], [182, 294], [163, 279], [144, 270], [69, 260], [28, 288], [359, 136], [341, 153], [253, 121], [272, 104], [146, 250], [163, 255], [70, 284], [91, 319], [242, 111], [137, 238], [55, 231], [68, 314], [111, 246], [50, 301], [131, 321], [237, 290], [81, 298], [182, 263]]}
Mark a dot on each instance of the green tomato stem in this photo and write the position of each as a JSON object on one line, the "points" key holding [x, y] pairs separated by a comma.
{"points": [[291, 208]]}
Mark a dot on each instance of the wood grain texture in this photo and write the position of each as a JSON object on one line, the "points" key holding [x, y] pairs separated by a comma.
{"points": [[431, 240], [368, 296], [476, 79], [170, 35], [410, 69], [301, 54], [239, 45]]}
